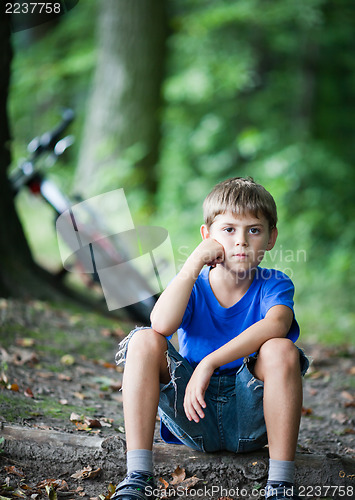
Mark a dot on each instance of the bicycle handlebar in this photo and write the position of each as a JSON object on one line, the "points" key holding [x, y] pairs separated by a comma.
{"points": [[48, 140]]}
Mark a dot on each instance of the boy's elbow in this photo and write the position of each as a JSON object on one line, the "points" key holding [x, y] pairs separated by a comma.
{"points": [[282, 328], [283, 325], [281, 318], [161, 327]]}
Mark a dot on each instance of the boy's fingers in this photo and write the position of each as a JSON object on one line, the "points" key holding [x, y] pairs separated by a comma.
{"points": [[193, 410], [201, 401], [197, 404], [191, 413]]}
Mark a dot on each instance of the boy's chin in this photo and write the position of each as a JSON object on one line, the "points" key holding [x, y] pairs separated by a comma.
{"points": [[241, 270]]}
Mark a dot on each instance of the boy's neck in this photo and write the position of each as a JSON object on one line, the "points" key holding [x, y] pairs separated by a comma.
{"points": [[229, 287]]}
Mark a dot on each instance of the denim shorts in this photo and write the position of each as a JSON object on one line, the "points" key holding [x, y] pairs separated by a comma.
{"points": [[234, 416]]}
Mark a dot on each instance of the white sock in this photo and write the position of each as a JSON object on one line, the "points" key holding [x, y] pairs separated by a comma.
{"points": [[281, 470], [141, 460]]}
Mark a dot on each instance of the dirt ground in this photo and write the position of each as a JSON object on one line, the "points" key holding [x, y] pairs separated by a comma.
{"points": [[57, 372]]}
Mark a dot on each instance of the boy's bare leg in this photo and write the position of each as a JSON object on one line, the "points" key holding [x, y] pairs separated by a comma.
{"points": [[145, 367], [279, 367]]}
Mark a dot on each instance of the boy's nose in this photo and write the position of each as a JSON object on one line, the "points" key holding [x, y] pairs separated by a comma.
{"points": [[241, 240]]}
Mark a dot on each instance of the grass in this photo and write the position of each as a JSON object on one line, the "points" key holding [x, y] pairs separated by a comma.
{"points": [[15, 407], [79, 336]]}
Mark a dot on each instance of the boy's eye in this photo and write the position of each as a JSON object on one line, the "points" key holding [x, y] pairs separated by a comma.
{"points": [[229, 229], [254, 230]]}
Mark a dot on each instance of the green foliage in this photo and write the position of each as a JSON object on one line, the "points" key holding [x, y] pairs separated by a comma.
{"points": [[51, 71], [267, 89]]}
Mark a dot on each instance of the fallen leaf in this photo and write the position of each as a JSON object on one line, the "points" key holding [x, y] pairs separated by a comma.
{"points": [[318, 374], [3, 379], [23, 357], [93, 423], [189, 482], [80, 426], [51, 493], [352, 370], [178, 476], [349, 397], [106, 422], [306, 411], [342, 418], [114, 332], [58, 484], [45, 375], [18, 493], [67, 359], [86, 473], [63, 401], [105, 332], [11, 469], [28, 393], [66, 378], [13, 387], [25, 342], [111, 489], [79, 395], [75, 417], [105, 364], [164, 483]]}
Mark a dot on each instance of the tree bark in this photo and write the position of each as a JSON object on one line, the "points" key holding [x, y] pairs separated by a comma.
{"points": [[19, 275], [124, 106], [14, 251]]}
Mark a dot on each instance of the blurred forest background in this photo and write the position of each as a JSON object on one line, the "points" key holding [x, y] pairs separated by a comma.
{"points": [[172, 96]]}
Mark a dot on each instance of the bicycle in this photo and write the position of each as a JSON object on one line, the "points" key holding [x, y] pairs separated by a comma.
{"points": [[108, 251]]}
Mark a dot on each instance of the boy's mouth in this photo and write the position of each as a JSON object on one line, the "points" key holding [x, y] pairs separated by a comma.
{"points": [[240, 255]]}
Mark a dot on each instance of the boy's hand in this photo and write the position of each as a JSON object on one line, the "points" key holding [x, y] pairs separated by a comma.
{"points": [[210, 251], [195, 391]]}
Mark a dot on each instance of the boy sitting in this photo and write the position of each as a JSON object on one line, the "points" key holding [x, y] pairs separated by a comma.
{"points": [[236, 382]]}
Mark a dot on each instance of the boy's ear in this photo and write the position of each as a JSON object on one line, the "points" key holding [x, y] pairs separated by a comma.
{"points": [[204, 232], [272, 239]]}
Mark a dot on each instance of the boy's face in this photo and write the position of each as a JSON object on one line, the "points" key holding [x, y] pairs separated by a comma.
{"points": [[245, 239]]}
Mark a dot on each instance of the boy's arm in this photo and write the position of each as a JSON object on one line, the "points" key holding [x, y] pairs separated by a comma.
{"points": [[276, 324], [169, 310]]}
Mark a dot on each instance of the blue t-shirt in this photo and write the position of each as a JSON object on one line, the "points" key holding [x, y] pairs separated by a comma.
{"points": [[207, 325]]}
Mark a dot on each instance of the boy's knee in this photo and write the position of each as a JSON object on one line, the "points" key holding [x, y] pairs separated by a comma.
{"points": [[147, 341], [281, 353]]}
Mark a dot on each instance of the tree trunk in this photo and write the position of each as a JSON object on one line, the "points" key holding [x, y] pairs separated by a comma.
{"points": [[19, 275], [14, 251], [122, 126]]}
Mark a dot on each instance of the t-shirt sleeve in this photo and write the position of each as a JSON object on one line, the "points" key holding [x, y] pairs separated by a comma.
{"points": [[279, 290]]}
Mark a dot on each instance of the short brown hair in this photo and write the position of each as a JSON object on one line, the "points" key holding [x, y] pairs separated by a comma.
{"points": [[240, 195]]}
